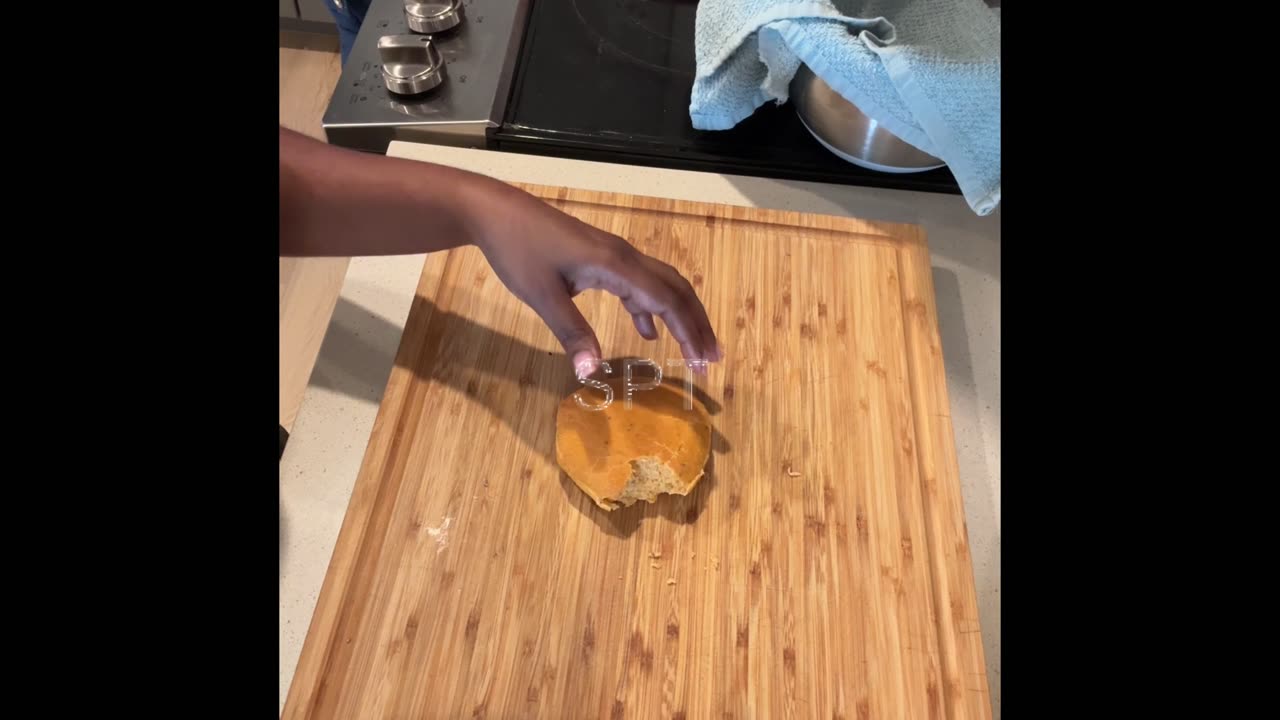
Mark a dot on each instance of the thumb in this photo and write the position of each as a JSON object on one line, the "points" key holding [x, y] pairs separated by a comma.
{"points": [[573, 332]]}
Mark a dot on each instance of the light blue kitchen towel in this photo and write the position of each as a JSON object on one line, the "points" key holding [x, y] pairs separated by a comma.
{"points": [[928, 70]]}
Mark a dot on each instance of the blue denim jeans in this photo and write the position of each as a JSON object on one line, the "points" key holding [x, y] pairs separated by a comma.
{"points": [[349, 14]]}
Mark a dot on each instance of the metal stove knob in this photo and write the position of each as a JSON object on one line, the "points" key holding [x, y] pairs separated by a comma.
{"points": [[433, 16], [411, 64]]}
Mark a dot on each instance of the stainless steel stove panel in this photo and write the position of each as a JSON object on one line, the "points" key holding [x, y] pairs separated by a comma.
{"points": [[478, 54]]}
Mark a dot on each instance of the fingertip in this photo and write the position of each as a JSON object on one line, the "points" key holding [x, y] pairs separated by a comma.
{"points": [[585, 363]]}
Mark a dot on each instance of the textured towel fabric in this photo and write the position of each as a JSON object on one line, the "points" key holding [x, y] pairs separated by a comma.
{"points": [[928, 70]]}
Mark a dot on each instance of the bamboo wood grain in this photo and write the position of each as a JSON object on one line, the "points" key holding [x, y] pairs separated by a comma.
{"points": [[309, 289], [820, 570]]}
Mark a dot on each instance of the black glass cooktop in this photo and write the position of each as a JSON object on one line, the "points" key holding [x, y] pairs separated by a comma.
{"points": [[610, 80]]}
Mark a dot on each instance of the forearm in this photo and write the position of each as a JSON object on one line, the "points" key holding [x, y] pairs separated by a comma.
{"points": [[338, 202]]}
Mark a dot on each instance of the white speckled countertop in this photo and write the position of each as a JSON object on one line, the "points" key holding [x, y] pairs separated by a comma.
{"points": [[324, 453]]}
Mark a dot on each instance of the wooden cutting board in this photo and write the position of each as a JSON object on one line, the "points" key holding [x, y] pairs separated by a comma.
{"points": [[820, 570]]}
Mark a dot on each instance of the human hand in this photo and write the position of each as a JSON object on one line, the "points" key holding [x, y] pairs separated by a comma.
{"points": [[546, 258]]}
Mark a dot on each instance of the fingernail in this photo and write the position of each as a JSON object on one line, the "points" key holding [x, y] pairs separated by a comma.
{"points": [[584, 363]]}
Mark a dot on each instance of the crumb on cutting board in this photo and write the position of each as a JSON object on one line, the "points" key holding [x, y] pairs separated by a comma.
{"points": [[671, 581], [655, 566], [440, 534], [655, 554]]}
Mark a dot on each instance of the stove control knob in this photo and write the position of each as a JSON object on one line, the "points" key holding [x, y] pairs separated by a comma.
{"points": [[433, 16], [411, 64]]}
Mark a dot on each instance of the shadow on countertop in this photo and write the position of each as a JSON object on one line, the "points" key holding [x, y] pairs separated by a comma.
{"points": [[284, 538], [980, 502]]}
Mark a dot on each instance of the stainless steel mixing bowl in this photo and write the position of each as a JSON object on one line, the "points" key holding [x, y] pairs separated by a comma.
{"points": [[846, 131]]}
